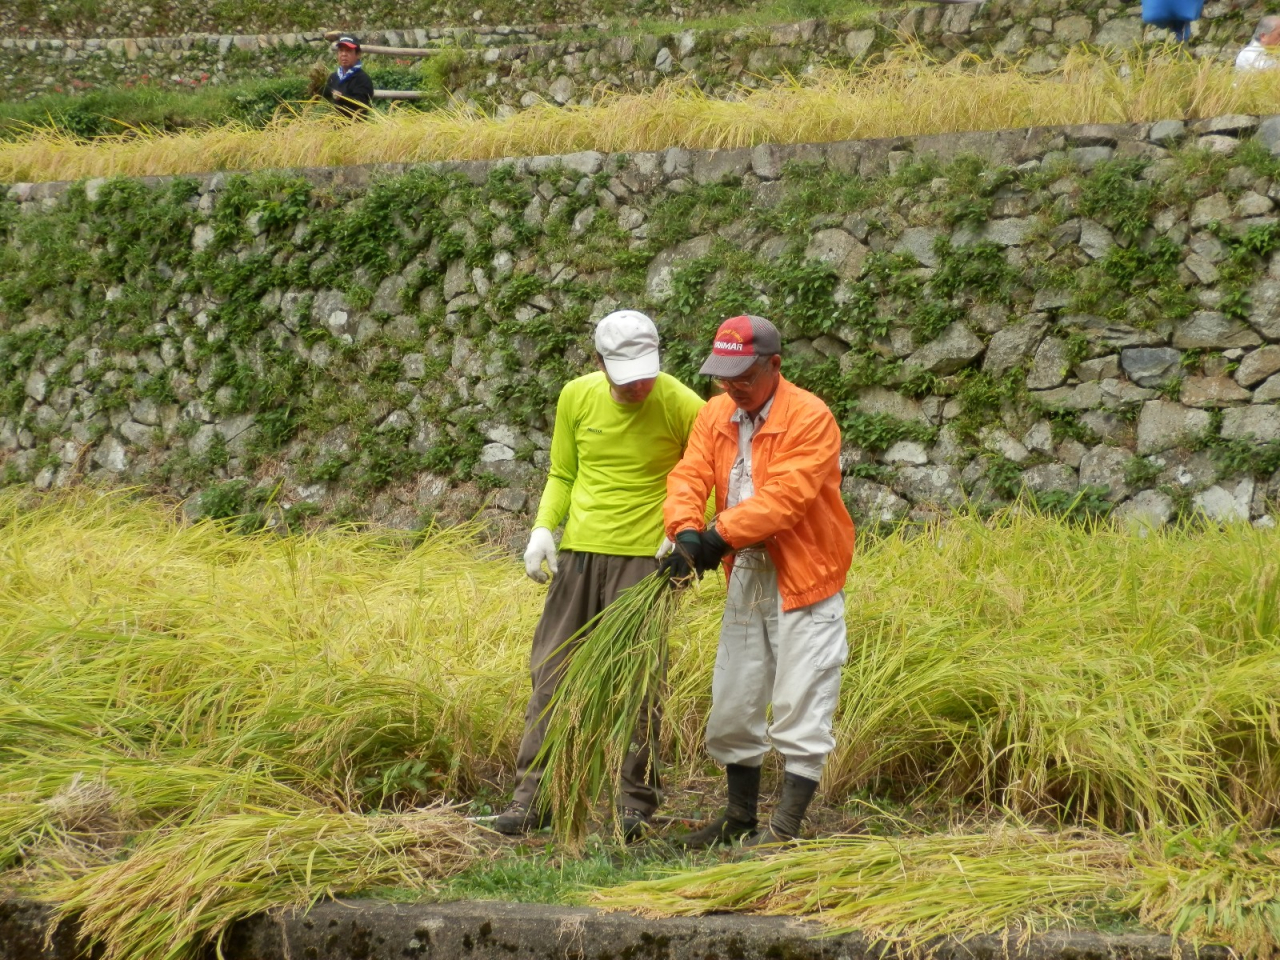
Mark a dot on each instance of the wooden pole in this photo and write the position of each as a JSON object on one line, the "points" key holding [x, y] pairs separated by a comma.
{"points": [[333, 35], [397, 94]]}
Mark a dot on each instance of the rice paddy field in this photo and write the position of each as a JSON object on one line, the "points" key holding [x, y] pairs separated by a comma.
{"points": [[196, 724], [908, 95]]}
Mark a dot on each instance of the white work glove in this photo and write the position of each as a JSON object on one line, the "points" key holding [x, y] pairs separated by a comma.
{"points": [[541, 548], [666, 548]]}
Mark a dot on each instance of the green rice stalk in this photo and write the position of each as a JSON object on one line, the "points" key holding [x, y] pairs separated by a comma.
{"points": [[181, 889], [617, 668]]}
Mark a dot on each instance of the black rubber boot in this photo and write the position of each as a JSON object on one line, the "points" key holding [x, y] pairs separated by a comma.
{"points": [[636, 824], [788, 816], [739, 817]]}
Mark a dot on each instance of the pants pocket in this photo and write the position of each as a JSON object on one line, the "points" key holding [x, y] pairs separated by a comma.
{"points": [[828, 647]]}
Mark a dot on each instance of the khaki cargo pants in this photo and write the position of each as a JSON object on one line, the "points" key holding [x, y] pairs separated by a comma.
{"points": [[786, 660], [585, 585]]}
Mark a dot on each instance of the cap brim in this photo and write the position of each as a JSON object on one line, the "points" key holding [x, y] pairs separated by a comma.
{"points": [[718, 366], [348, 46], [623, 372]]}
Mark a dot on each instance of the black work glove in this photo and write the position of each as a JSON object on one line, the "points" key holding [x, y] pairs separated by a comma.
{"points": [[694, 553], [711, 550], [679, 563]]}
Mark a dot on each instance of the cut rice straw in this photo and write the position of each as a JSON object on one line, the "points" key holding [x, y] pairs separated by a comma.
{"points": [[615, 670], [901, 890], [906, 96], [181, 889], [907, 893]]}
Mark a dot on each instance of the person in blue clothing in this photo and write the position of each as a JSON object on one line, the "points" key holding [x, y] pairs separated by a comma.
{"points": [[349, 88], [1173, 15]]}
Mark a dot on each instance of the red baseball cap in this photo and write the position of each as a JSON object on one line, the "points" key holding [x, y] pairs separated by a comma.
{"points": [[739, 342], [351, 43]]}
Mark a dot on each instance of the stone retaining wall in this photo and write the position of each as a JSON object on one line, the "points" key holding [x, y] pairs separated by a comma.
{"points": [[130, 18], [1088, 316], [513, 66]]}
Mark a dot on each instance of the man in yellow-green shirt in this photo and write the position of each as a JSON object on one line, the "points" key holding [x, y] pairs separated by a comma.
{"points": [[618, 433]]}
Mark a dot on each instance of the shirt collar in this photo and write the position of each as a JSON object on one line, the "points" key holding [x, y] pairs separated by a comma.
{"points": [[740, 415], [343, 74]]}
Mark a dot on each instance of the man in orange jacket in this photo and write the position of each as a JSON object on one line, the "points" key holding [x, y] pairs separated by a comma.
{"points": [[772, 452]]}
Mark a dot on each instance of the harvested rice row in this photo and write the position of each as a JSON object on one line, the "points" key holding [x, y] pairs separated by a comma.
{"points": [[180, 889], [1010, 880]]}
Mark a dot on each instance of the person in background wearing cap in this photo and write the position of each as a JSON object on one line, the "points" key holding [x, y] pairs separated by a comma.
{"points": [[772, 452], [617, 433], [349, 88]]}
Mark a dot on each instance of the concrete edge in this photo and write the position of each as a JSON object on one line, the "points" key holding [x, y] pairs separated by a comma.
{"points": [[481, 930]]}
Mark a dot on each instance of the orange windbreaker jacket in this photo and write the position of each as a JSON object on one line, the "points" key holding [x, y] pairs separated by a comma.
{"points": [[796, 511]]}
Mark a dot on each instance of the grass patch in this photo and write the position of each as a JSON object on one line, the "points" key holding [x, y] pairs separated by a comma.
{"points": [[763, 14], [116, 110], [97, 17], [903, 97], [526, 874], [151, 110]]}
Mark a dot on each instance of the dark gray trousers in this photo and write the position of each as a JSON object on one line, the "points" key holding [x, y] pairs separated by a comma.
{"points": [[585, 585]]}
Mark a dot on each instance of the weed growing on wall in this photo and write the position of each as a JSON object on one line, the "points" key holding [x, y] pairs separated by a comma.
{"points": [[369, 337]]}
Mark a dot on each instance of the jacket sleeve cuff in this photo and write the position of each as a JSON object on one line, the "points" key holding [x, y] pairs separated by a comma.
{"points": [[718, 524]]}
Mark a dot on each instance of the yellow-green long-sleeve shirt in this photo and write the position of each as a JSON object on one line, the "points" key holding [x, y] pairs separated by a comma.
{"points": [[609, 464]]}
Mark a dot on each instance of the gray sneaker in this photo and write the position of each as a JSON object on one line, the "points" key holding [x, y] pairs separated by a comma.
{"points": [[520, 818]]}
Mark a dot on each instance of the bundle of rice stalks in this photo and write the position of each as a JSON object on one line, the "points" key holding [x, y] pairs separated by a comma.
{"points": [[78, 827], [1222, 888], [180, 889], [902, 890], [615, 671], [1199, 887]]}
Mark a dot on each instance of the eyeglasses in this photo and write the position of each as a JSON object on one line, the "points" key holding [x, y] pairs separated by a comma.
{"points": [[742, 383]]}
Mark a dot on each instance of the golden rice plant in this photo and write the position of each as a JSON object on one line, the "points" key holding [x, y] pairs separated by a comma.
{"points": [[616, 670], [1025, 663], [330, 657], [180, 889], [164, 677], [908, 95], [1040, 665]]}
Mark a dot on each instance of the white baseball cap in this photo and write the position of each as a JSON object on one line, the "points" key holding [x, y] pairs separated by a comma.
{"points": [[627, 340]]}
